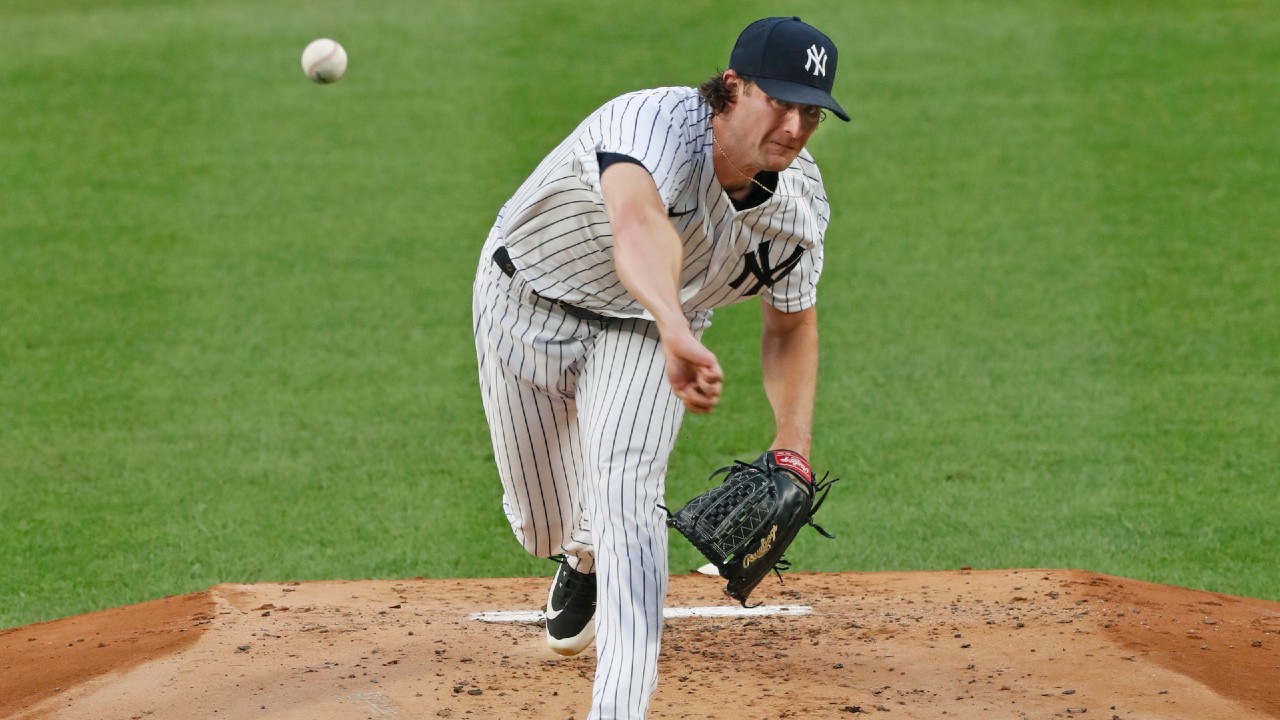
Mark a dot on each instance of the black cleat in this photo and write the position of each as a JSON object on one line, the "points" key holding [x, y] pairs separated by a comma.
{"points": [[571, 611]]}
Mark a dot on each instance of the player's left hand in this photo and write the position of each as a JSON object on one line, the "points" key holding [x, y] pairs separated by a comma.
{"points": [[746, 523]]}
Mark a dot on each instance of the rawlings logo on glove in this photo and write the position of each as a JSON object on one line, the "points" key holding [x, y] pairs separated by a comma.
{"points": [[793, 460], [745, 524], [766, 544]]}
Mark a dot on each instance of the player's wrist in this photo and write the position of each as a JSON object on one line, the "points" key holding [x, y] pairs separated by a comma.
{"points": [[795, 443], [672, 325]]}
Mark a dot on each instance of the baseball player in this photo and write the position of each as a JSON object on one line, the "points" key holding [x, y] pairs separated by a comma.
{"points": [[593, 291]]}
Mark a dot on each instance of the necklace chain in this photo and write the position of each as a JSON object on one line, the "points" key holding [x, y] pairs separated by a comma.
{"points": [[745, 176]]}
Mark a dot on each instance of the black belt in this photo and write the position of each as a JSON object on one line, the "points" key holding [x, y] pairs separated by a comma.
{"points": [[502, 259]]}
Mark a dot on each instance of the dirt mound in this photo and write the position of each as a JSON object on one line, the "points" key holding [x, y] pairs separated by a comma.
{"points": [[1016, 643]]}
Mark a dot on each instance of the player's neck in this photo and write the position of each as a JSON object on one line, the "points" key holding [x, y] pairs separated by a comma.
{"points": [[732, 175]]}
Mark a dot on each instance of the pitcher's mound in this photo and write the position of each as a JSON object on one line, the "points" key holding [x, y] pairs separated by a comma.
{"points": [[965, 644]]}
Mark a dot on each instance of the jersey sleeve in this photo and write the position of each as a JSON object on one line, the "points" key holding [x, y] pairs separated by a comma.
{"points": [[648, 127], [798, 289]]}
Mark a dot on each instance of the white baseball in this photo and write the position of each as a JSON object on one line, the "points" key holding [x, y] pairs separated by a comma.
{"points": [[324, 61]]}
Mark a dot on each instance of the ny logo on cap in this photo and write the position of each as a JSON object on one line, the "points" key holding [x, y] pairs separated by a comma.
{"points": [[817, 57]]}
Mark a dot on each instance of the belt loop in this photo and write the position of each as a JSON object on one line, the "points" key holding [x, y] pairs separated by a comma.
{"points": [[503, 260]]}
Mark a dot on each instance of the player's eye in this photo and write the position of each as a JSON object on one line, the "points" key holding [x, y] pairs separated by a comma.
{"points": [[810, 114]]}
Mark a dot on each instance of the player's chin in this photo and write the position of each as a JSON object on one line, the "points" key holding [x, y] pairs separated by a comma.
{"points": [[779, 161]]}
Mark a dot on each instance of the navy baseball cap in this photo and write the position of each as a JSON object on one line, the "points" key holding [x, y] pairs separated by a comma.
{"points": [[790, 60]]}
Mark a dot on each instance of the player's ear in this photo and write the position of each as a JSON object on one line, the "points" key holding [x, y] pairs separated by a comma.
{"points": [[735, 84]]}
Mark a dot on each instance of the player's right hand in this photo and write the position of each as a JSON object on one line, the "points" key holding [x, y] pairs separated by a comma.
{"points": [[693, 371]]}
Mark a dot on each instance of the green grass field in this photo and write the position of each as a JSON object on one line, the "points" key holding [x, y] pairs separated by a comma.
{"points": [[235, 337]]}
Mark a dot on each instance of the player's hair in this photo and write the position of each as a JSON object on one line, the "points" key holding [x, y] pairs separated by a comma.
{"points": [[717, 92]]}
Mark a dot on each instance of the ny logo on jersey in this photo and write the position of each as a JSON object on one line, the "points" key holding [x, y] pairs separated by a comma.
{"points": [[757, 267], [817, 57]]}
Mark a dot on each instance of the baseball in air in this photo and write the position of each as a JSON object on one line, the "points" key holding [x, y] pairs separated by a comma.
{"points": [[324, 61]]}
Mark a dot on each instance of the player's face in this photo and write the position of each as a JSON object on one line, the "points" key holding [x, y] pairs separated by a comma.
{"points": [[775, 130]]}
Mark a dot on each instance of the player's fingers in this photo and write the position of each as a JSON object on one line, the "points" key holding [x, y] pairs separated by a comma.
{"points": [[708, 400], [701, 408], [695, 400], [696, 382], [710, 377], [709, 387], [712, 371]]}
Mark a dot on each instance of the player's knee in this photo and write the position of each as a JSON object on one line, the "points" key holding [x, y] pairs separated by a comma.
{"points": [[536, 540]]}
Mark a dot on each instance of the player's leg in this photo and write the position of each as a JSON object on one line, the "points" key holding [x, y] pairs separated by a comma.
{"points": [[630, 419], [529, 355], [536, 449], [528, 395]]}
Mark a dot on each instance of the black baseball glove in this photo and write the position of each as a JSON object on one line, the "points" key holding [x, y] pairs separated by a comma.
{"points": [[746, 523]]}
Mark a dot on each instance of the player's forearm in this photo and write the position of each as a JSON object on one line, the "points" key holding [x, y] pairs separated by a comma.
{"points": [[789, 366], [648, 261]]}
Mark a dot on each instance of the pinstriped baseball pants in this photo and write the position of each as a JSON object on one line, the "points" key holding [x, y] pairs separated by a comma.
{"points": [[582, 421]]}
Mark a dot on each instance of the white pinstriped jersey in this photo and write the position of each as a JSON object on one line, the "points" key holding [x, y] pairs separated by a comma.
{"points": [[557, 232]]}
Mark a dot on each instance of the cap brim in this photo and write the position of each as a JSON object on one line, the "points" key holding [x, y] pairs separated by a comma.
{"points": [[803, 94]]}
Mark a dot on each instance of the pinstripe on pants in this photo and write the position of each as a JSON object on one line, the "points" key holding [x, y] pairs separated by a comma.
{"points": [[582, 421]]}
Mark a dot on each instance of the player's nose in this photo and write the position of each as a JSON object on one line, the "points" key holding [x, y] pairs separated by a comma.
{"points": [[793, 122]]}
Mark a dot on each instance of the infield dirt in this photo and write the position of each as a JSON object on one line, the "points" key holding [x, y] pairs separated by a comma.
{"points": [[962, 644]]}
